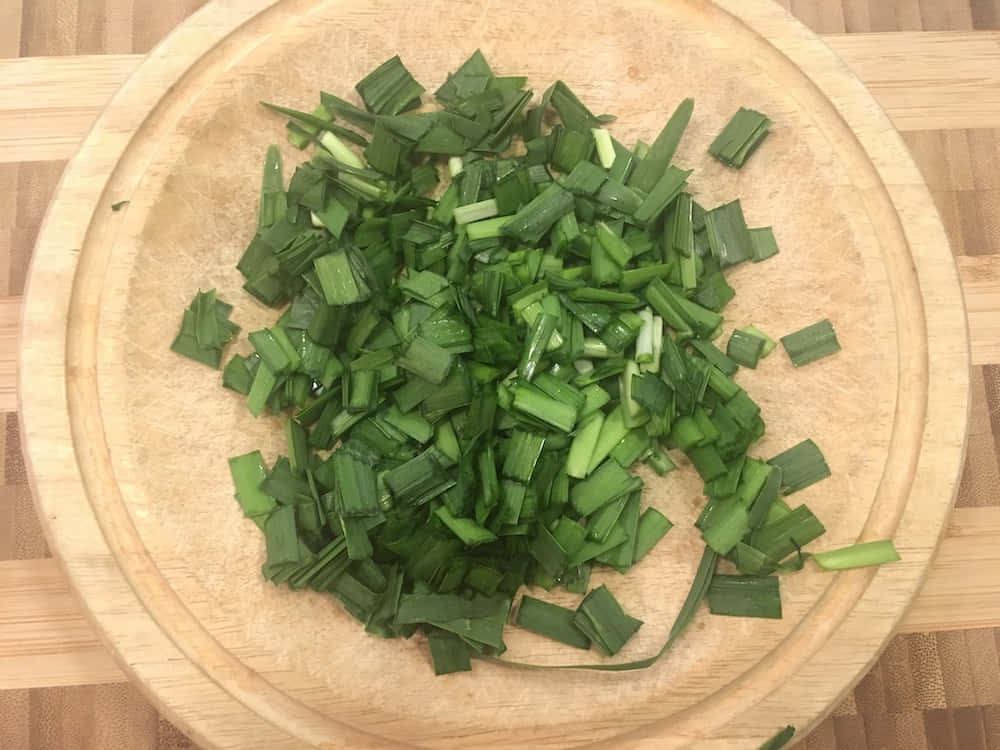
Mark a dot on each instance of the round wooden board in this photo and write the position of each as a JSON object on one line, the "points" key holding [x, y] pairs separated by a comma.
{"points": [[127, 443]]}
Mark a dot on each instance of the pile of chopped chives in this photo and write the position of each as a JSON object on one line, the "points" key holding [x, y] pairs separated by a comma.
{"points": [[469, 380]]}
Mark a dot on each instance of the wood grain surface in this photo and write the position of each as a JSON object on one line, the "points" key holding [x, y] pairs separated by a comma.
{"points": [[929, 690]]}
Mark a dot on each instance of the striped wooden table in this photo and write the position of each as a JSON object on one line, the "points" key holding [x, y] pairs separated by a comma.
{"points": [[935, 67]]}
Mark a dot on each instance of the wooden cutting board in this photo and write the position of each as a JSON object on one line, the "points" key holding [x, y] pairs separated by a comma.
{"points": [[126, 444]]}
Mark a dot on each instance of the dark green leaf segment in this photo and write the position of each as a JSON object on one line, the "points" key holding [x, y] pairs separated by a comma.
{"points": [[470, 381]]}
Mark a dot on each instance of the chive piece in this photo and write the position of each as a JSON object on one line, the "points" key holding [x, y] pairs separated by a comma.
{"points": [[551, 621], [811, 343], [664, 192], [340, 283], [764, 244], [523, 452], [582, 448], [264, 382], [534, 219], [857, 555], [449, 653], [801, 465], [272, 193], [727, 528], [389, 89], [426, 360], [535, 345], [652, 166], [603, 521], [740, 137], [612, 433], [470, 532], [478, 211], [605, 147], [420, 479], [769, 343], [728, 235], [236, 376], [531, 401], [745, 348], [780, 538], [606, 483], [363, 391], [653, 526], [602, 620], [745, 596], [248, 474], [779, 740]]}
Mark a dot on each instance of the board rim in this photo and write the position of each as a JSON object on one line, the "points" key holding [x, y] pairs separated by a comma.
{"points": [[52, 455]]}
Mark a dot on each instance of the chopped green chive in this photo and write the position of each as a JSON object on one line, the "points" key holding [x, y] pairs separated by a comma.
{"points": [[551, 621], [745, 596], [801, 466], [601, 618], [811, 343], [857, 555], [745, 348], [740, 138]]}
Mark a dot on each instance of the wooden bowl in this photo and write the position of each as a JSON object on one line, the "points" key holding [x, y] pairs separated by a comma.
{"points": [[127, 442]]}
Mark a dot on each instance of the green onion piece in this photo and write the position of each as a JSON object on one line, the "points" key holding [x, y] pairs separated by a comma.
{"points": [[612, 433], [764, 244], [340, 284], [248, 474], [272, 192], [536, 344], [551, 621], [616, 248], [470, 532], [728, 235], [740, 137], [449, 653], [537, 217], [487, 228], [745, 348], [478, 211], [857, 555], [602, 620], [728, 527], [811, 343], [652, 166], [745, 596], [547, 551], [426, 360], [769, 343], [660, 462], [533, 402], [389, 89], [362, 391], [420, 479], [236, 376], [666, 189], [582, 448], [603, 521], [281, 537], [779, 740], [605, 147], [523, 452], [780, 538], [801, 466], [264, 382], [606, 483], [653, 526]]}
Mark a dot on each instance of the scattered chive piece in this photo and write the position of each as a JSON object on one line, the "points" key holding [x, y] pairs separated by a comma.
{"points": [[745, 596], [449, 653], [602, 620], [745, 348], [653, 526], [779, 740], [740, 138], [769, 343], [857, 555], [801, 465], [551, 621], [764, 244], [811, 343]]}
